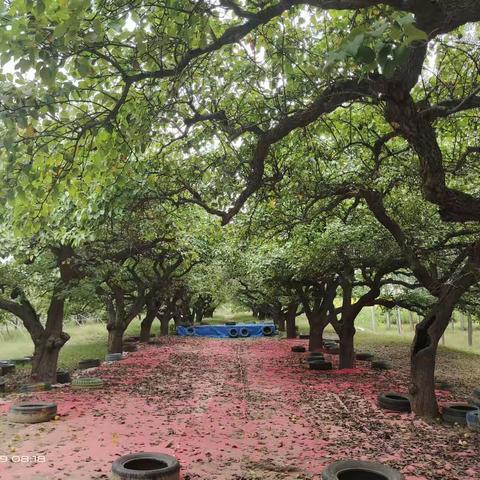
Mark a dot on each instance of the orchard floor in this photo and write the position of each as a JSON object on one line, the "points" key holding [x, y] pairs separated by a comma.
{"points": [[236, 410]]}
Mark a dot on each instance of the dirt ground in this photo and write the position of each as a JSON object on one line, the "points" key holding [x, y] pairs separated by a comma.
{"points": [[238, 410]]}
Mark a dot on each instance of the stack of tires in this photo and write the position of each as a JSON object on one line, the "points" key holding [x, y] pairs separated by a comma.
{"points": [[316, 361]]}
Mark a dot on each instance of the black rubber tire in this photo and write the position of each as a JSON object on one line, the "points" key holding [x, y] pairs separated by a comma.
{"points": [[190, 331], [313, 358], [298, 349], [89, 363], [233, 332], [332, 351], [381, 365], [32, 412], [395, 402], [443, 385], [364, 356], [303, 336], [87, 383], [113, 357], [230, 323], [35, 387], [357, 470], [244, 332], [320, 365], [267, 331], [63, 377], [168, 467], [457, 413], [130, 347]]}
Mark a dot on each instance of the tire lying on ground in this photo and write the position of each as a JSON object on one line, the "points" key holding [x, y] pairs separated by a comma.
{"points": [[457, 413], [63, 377], [332, 350], [443, 385], [35, 387], [364, 356], [89, 363], [315, 356], [395, 402], [87, 383], [113, 357], [320, 365], [381, 365], [303, 336], [267, 330], [32, 412], [298, 349], [144, 465], [357, 470], [244, 332]]}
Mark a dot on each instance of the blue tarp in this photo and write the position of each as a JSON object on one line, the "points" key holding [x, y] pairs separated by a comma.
{"points": [[228, 331]]}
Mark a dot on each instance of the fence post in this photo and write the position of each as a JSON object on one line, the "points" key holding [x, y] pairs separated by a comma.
{"points": [[470, 329], [399, 321]]}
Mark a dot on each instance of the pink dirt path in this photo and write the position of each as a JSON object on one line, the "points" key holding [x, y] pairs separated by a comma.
{"points": [[233, 409]]}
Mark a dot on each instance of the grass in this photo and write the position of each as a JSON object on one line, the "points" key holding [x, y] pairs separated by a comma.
{"points": [[90, 341]]}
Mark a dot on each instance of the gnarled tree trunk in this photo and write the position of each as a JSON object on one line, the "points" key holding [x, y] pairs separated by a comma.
{"points": [[290, 318], [164, 323], [146, 327], [317, 327], [424, 350], [347, 351]]}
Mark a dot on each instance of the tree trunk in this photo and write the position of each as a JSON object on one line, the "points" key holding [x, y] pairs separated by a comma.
{"points": [[347, 351], [115, 339], [422, 389], [199, 314], [49, 343], [45, 358], [164, 322], [146, 327], [315, 341], [291, 316], [291, 330], [423, 353]]}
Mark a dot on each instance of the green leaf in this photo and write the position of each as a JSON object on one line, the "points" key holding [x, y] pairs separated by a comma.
{"points": [[414, 34], [83, 67], [365, 54]]}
